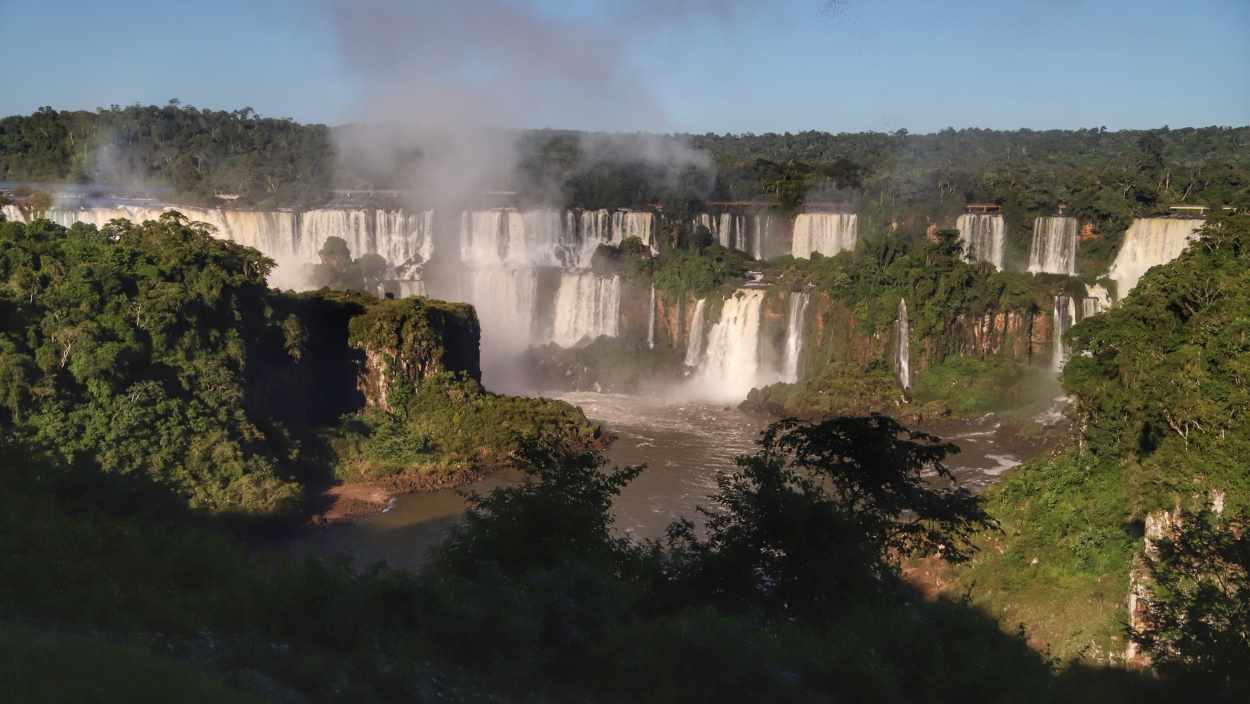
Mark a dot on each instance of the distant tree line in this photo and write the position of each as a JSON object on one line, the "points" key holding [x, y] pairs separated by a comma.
{"points": [[194, 153], [1102, 176]]}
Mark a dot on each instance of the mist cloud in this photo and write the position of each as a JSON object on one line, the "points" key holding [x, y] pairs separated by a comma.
{"points": [[456, 78]]}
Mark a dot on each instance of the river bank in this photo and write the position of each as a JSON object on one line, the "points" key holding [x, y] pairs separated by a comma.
{"points": [[685, 446]]}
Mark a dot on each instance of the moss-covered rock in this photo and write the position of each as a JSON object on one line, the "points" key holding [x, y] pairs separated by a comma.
{"points": [[405, 341]]}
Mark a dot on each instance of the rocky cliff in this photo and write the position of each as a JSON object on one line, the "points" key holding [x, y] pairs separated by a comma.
{"points": [[407, 340]]}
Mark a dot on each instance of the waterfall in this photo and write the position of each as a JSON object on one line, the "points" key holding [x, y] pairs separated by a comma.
{"points": [[1090, 307], [1148, 243], [501, 253], [694, 342], [1054, 246], [728, 229], [587, 306], [794, 337], [317, 226], [763, 223], [479, 238], [272, 232], [651, 320], [505, 303], [827, 233], [1065, 318], [902, 349], [596, 227], [1099, 294], [731, 365], [736, 231], [982, 238], [402, 237]]}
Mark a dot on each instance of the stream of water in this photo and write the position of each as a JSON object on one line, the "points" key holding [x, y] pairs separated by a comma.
{"points": [[684, 445]]}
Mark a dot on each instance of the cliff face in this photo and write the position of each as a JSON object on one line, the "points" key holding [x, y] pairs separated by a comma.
{"points": [[407, 340], [1016, 334], [635, 311], [834, 334]]}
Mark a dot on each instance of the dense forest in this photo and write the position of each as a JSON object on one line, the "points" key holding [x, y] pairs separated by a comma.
{"points": [[157, 354], [188, 153], [1101, 176], [1161, 389]]}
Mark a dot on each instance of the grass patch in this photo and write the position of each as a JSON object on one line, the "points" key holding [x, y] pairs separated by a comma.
{"points": [[1059, 567], [449, 423], [973, 386], [840, 389]]}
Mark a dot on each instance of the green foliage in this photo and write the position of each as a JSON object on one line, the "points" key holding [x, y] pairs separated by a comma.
{"points": [[970, 386], [1059, 567], [40, 667], [1102, 176], [446, 423], [1162, 378], [338, 271], [417, 337], [1197, 620], [821, 511], [839, 389], [681, 272], [128, 351], [939, 286], [154, 365], [560, 513], [537, 600], [790, 182], [196, 153]]}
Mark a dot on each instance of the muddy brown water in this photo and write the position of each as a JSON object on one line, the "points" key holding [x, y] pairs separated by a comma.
{"points": [[684, 445]]}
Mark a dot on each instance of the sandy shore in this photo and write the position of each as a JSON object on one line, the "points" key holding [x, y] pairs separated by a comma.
{"points": [[351, 500]]}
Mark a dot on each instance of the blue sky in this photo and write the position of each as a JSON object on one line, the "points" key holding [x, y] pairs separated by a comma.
{"points": [[768, 66]]}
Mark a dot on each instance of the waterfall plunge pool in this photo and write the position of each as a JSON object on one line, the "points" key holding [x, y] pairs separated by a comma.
{"points": [[684, 445]]}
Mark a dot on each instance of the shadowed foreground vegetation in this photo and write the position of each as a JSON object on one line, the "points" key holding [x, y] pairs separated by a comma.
{"points": [[792, 595]]}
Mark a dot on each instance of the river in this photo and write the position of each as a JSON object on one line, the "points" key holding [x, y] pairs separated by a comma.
{"points": [[683, 445]]}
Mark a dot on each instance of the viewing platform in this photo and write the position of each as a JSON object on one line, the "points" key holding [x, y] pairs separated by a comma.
{"points": [[983, 209], [1195, 211]]}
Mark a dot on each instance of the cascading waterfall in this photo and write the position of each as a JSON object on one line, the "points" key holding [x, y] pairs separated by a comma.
{"points": [[745, 233], [506, 306], [587, 306], [1065, 318], [1148, 243], [827, 233], [651, 320], [728, 229], [403, 237], [694, 341], [763, 225], [982, 238], [1090, 307], [317, 226], [1054, 246], [794, 337], [1099, 294], [731, 365], [501, 253], [902, 348]]}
